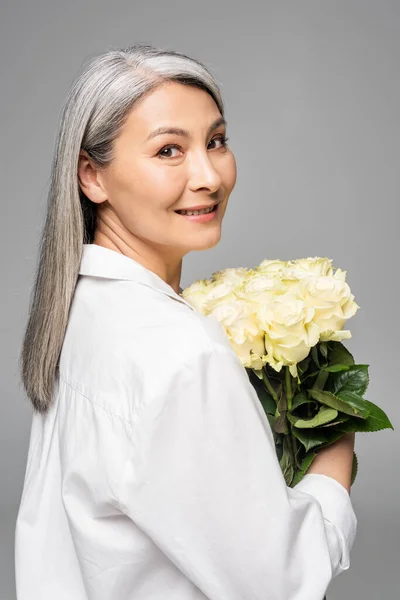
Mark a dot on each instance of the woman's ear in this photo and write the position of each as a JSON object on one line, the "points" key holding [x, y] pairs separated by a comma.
{"points": [[88, 179]]}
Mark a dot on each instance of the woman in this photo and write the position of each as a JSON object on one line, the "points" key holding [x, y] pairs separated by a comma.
{"points": [[152, 472]]}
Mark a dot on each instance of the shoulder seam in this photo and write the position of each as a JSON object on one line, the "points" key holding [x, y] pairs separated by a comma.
{"points": [[95, 404]]}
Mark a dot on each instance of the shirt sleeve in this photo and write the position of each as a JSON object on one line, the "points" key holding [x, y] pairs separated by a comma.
{"points": [[204, 482]]}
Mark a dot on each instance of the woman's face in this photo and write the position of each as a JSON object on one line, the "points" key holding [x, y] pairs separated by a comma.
{"points": [[155, 174]]}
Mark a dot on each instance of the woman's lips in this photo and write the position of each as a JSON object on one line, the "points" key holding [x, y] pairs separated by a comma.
{"points": [[204, 218]]}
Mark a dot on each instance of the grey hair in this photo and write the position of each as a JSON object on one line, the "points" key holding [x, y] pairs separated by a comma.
{"points": [[95, 110]]}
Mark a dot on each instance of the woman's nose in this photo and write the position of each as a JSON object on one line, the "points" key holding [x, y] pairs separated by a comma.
{"points": [[203, 173]]}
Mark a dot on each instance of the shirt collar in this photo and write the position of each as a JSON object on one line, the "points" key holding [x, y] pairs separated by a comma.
{"points": [[98, 261]]}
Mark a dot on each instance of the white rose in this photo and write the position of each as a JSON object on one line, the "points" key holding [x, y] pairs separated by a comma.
{"points": [[258, 289], [196, 294], [339, 274], [271, 267], [256, 283], [239, 321], [236, 316], [333, 303], [304, 267], [232, 275], [251, 352], [219, 289], [290, 332]]}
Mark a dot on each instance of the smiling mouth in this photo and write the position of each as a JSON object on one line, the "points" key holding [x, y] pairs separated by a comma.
{"points": [[196, 212]]}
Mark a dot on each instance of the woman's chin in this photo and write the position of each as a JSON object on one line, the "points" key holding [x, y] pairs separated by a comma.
{"points": [[206, 241]]}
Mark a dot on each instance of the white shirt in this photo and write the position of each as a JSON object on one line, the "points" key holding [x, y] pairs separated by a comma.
{"points": [[154, 475]]}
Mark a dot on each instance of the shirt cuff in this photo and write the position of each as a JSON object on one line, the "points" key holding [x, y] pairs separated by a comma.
{"points": [[336, 507]]}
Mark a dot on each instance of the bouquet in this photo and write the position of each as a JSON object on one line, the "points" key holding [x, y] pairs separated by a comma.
{"points": [[285, 320]]}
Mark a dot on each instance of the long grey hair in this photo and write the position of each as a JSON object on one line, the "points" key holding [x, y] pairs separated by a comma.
{"points": [[95, 110]]}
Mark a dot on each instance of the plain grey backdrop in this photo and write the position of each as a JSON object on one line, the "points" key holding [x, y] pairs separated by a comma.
{"points": [[312, 94]]}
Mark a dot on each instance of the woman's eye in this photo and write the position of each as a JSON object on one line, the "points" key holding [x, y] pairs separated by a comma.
{"points": [[161, 152], [166, 148], [222, 139]]}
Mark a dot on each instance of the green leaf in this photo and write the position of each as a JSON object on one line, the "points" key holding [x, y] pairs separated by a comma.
{"points": [[354, 469], [324, 415], [303, 365], [336, 368], [353, 407], [356, 380], [376, 421], [320, 381], [311, 438], [285, 460], [267, 401], [289, 457], [286, 464], [342, 419], [323, 349], [355, 401], [265, 398], [299, 399], [314, 354], [305, 465], [257, 372], [338, 354], [281, 424], [282, 404]]}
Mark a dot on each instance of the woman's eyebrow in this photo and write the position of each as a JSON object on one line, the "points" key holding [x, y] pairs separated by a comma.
{"points": [[184, 132]]}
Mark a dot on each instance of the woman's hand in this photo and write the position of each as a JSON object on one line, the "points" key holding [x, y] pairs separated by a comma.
{"points": [[336, 460]]}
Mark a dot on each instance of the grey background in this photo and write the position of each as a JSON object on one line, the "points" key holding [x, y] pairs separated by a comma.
{"points": [[312, 95]]}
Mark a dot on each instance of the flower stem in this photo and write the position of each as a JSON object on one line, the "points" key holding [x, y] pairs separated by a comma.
{"points": [[321, 380], [289, 393], [269, 387]]}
